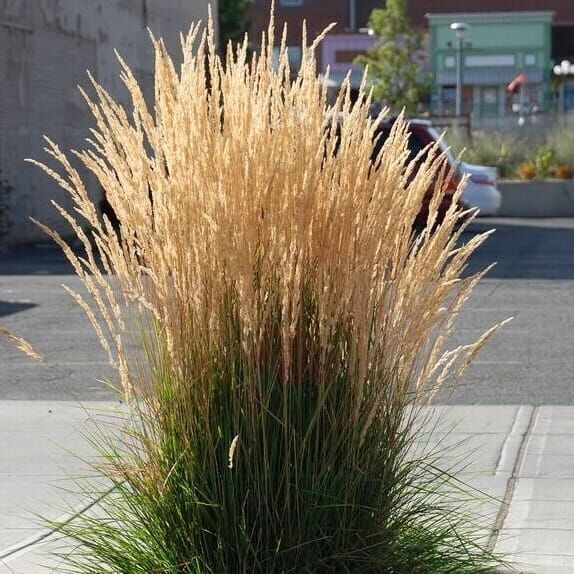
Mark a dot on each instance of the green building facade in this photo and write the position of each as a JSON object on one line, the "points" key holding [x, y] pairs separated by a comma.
{"points": [[497, 48]]}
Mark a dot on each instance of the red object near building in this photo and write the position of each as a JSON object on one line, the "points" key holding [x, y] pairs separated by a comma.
{"points": [[514, 86]]}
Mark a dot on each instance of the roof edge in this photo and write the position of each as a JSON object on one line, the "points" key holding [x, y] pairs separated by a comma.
{"points": [[520, 15]]}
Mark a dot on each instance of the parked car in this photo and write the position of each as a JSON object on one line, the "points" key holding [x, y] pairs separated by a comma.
{"points": [[421, 135], [481, 190]]}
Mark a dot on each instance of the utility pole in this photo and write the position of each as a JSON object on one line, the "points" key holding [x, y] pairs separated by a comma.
{"points": [[459, 28], [353, 15]]}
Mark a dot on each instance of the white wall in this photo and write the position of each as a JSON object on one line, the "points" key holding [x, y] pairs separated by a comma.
{"points": [[46, 47]]}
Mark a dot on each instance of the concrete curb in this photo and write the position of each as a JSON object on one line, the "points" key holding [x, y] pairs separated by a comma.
{"points": [[537, 198], [519, 568]]}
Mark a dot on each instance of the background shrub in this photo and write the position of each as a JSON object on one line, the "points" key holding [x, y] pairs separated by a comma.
{"points": [[503, 150], [563, 171], [544, 155], [544, 161], [561, 141], [526, 170]]}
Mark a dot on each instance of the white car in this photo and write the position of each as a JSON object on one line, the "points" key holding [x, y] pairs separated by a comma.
{"points": [[481, 191]]}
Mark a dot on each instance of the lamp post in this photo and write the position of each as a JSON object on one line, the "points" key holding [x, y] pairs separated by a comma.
{"points": [[459, 28], [353, 15], [563, 70]]}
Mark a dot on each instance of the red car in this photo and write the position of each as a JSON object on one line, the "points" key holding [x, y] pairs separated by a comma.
{"points": [[422, 133]]}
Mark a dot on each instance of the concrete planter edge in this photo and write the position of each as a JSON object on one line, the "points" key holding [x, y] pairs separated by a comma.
{"points": [[537, 198]]}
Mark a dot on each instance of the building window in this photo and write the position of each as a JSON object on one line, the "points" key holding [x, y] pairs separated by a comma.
{"points": [[501, 60], [290, 3], [447, 100], [489, 101], [347, 56], [293, 55], [449, 62], [530, 60], [490, 95]]}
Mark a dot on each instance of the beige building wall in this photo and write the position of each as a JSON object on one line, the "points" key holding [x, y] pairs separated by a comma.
{"points": [[46, 47]]}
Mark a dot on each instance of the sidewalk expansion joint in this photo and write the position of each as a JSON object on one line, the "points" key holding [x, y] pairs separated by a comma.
{"points": [[34, 540], [511, 484]]}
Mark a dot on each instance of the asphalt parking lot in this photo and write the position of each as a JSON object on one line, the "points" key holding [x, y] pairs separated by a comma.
{"points": [[529, 362]]}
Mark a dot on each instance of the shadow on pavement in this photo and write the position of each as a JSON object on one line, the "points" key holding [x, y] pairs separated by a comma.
{"points": [[7, 308], [40, 259], [524, 249]]}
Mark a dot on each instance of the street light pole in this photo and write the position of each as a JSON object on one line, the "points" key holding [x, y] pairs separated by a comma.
{"points": [[563, 70], [353, 15], [459, 28]]}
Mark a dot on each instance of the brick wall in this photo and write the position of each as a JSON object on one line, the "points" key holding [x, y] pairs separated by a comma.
{"points": [[317, 13], [321, 12]]}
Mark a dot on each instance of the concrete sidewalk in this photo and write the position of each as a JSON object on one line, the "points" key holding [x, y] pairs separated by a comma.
{"points": [[521, 456]]}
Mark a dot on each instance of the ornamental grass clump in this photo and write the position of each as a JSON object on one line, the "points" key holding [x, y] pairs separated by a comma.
{"points": [[289, 325]]}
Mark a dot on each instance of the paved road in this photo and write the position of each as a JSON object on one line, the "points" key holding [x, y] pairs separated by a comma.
{"points": [[34, 305], [530, 362]]}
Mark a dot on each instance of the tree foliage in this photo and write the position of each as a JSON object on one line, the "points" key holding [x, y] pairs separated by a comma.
{"points": [[233, 21], [394, 62]]}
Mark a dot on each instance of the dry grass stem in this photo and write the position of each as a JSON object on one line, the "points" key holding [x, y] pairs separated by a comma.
{"points": [[21, 344]]}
